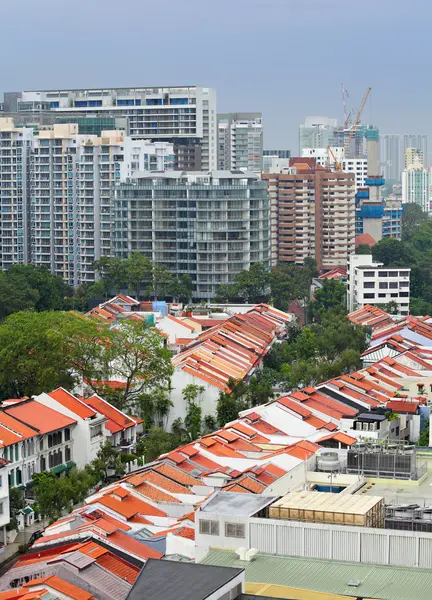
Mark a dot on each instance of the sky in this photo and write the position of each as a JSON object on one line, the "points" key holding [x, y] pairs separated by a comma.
{"points": [[285, 58]]}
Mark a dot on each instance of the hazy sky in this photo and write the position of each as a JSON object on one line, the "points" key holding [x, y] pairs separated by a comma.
{"points": [[286, 58]]}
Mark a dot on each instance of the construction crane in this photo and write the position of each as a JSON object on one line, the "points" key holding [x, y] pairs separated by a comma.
{"points": [[347, 115], [337, 164], [356, 122]]}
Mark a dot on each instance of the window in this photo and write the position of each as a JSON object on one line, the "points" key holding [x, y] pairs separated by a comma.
{"points": [[67, 454], [393, 285], [383, 285], [207, 527], [235, 530], [41, 445], [369, 273], [382, 273], [1, 508], [369, 284], [96, 431], [404, 273], [369, 296], [67, 435]]}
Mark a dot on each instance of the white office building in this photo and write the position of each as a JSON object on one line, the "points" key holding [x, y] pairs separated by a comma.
{"points": [[372, 283], [240, 142], [416, 185]]}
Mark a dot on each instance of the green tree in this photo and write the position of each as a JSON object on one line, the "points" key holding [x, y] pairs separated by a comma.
{"points": [[42, 351], [51, 290], [161, 282], [138, 273], [193, 419], [108, 459], [391, 307], [157, 441], [253, 285], [363, 249], [181, 288], [330, 297], [153, 407], [14, 298], [209, 424], [412, 218], [226, 292], [136, 356], [112, 272], [392, 252], [16, 503]]}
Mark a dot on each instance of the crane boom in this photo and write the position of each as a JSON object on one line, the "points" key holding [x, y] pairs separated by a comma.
{"points": [[356, 122], [337, 164]]}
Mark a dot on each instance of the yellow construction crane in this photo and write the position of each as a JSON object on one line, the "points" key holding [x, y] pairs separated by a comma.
{"points": [[337, 164], [356, 122]]}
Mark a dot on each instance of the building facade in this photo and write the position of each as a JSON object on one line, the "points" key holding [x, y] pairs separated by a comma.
{"points": [[240, 142], [184, 115], [316, 132], [371, 283], [208, 225], [392, 152], [274, 159], [312, 214], [16, 145], [416, 186]]}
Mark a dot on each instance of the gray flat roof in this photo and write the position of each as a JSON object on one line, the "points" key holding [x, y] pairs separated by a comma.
{"points": [[169, 580], [331, 577], [232, 503]]}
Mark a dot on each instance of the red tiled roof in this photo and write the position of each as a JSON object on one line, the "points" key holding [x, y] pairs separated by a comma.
{"points": [[119, 567], [38, 416], [62, 586], [69, 401], [132, 546], [402, 406], [128, 506], [177, 475], [117, 420], [364, 238], [339, 436]]}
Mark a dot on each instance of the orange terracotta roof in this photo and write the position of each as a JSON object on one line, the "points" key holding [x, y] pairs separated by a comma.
{"points": [[69, 401], [129, 506], [38, 416], [62, 586], [132, 546], [186, 532], [404, 407], [117, 420], [119, 567], [155, 494], [159, 480], [364, 238], [339, 436], [177, 475]]}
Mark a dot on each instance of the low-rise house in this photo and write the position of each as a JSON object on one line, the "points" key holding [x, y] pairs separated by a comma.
{"points": [[34, 438]]}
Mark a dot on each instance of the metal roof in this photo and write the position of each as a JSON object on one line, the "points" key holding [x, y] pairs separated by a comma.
{"points": [[169, 580], [231, 503], [324, 501], [332, 577]]}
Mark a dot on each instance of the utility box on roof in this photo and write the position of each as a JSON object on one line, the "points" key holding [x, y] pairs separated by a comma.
{"points": [[323, 507]]}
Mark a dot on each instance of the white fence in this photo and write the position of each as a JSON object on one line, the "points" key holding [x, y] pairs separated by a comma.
{"points": [[333, 542]]}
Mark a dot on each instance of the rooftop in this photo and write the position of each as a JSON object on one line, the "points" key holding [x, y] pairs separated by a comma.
{"points": [[170, 580], [332, 577], [231, 503]]}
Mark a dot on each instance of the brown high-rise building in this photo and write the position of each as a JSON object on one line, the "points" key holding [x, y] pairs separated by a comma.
{"points": [[312, 214]]}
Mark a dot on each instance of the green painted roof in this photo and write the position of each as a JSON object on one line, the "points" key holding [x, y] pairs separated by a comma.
{"points": [[389, 583]]}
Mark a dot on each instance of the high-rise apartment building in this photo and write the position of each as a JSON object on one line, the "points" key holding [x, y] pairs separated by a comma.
{"points": [[316, 132], [184, 115], [312, 214], [414, 156], [16, 145], [416, 186], [325, 158], [392, 152], [240, 142], [208, 225], [58, 194]]}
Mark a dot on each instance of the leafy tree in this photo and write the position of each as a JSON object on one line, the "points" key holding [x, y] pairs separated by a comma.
{"points": [[14, 298], [153, 407], [50, 289], [209, 423], [424, 437], [363, 249], [253, 285], [392, 252], [412, 218], [226, 292], [259, 390], [283, 288], [391, 307], [330, 297], [16, 503], [181, 288], [161, 281], [42, 351], [107, 459], [193, 418], [138, 272], [156, 442], [136, 355], [112, 272]]}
